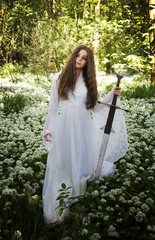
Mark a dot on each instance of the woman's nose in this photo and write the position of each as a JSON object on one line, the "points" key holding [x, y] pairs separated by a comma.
{"points": [[79, 58]]}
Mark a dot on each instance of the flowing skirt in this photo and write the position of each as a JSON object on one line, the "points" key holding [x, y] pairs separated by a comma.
{"points": [[73, 158], [70, 161]]}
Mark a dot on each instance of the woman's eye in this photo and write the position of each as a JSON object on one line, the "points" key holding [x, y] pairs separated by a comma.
{"points": [[84, 58]]}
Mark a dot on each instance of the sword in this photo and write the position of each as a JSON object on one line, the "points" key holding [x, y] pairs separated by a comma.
{"points": [[107, 131], [110, 105]]}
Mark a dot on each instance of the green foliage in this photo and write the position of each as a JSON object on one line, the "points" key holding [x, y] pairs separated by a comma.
{"points": [[23, 218], [11, 69], [109, 87], [64, 198], [43, 38], [15, 103], [54, 48], [144, 91]]}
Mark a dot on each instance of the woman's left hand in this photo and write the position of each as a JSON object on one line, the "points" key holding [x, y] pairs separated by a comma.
{"points": [[117, 91]]}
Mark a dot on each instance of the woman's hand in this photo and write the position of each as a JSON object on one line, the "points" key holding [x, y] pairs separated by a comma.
{"points": [[47, 136], [117, 91]]}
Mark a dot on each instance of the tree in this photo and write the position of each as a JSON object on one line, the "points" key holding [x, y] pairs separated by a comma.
{"points": [[152, 38]]}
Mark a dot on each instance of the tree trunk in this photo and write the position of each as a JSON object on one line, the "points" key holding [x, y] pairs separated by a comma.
{"points": [[108, 64], [152, 38], [96, 35]]}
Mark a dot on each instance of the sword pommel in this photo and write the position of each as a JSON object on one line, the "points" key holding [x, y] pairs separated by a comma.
{"points": [[119, 77]]}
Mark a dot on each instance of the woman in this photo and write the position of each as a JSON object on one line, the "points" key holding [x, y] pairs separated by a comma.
{"points": [[72, 137]]}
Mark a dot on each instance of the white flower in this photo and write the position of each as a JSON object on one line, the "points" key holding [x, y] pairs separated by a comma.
{"points": [[7, 191], [95, 236], [141, 169], [131, 173], [112, 231], [103, 200], [137, 203], [149, 228], [137, 162], [140, 216], [99, 215], [119, 220], [150, 178], [132, 210], [86, 221], [67, 238], [122, 199], [127, 183], [135, 198], [95, 193], [117, 206], [99, 207], [150, 201], [142, 195], [106, 218], [111, 197], [138, 179], [34, 196], [109, 209], [17, 234], [91, 215], [98, 224], [145, 207], [84, 231]]}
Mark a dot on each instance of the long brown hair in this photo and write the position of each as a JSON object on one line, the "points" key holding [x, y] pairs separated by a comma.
{"points": [[67, 79]]}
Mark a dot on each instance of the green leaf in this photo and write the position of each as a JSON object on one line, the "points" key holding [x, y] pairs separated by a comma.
{"points": [[60, 197], [61, 202], [60, 212], [61, 190], [63, 185], [61, 194]]}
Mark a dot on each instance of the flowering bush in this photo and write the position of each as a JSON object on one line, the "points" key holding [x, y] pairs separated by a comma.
{"points": [[122, 207], [22, 154], [118, 207]]}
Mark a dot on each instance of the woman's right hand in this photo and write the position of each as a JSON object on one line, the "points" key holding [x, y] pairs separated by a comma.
{"points": [[47, 136]]}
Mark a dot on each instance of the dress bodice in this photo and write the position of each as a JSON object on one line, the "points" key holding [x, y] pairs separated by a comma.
{"points": [[78, 96]]}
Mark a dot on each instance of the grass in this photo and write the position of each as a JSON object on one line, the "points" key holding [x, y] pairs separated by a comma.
{"points": [[14, 103]]}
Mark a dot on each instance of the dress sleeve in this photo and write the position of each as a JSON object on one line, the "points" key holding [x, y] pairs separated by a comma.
{"points": [[107, 100], [50, 125]]}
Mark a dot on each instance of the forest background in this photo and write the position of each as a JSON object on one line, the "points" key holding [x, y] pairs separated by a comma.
{"points": [[36, 39], [40, 35]]}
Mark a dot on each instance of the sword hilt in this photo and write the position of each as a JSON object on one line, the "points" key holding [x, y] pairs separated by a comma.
{"points": [[119, 77]]}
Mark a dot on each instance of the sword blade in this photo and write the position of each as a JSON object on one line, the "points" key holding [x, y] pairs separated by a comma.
{"points": [[107, 131], [103, 148]]}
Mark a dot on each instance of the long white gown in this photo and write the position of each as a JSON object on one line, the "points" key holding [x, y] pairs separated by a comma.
{"points": [[74, 149]]}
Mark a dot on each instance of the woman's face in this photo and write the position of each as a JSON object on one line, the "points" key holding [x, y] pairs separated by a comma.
{"points": [[81, 59]]}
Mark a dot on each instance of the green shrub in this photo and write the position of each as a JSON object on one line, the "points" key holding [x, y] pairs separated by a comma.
{"points": [[15, 103], [12, 70], [139, 92]]}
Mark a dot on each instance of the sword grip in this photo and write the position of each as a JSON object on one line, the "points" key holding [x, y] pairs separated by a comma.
{"points": [[111, 114]]}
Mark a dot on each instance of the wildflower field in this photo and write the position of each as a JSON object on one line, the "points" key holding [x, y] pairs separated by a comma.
{"points": [[119, 207]]}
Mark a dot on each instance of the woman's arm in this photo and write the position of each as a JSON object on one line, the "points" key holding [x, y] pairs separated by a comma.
{"points": [[107, 99], [51, 119]]}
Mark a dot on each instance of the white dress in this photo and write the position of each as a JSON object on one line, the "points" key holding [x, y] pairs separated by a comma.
{"points": [[74, 149]]}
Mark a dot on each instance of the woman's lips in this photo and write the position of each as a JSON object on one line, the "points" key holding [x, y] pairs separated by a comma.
{"points": [[78, 63]]}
